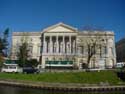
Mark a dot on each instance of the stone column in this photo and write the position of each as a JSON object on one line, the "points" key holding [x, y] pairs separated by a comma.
{"points": [[51, 45], [70, 44], [73, 46], [63, 44], [57, 44], [45, 44]]}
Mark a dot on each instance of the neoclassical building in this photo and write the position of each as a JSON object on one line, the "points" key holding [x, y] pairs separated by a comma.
{"points": [[63, 46]]}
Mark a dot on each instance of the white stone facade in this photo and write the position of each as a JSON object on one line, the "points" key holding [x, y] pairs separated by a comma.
{"points": [[61, 43]]}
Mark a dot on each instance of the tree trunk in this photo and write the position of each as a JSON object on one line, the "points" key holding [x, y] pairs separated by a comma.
{"points": [[88, 61]]}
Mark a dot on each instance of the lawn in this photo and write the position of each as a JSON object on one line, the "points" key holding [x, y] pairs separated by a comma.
{"points": [[67, 77]]}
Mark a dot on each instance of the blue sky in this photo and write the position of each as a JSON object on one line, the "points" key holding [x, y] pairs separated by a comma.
{"points": [[35, 15]]}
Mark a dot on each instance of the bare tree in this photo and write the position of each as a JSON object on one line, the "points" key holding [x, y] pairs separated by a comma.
{"points": [[93, 44]]}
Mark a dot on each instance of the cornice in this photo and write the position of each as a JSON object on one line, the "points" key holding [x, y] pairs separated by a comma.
{"points": [[26, 33]]}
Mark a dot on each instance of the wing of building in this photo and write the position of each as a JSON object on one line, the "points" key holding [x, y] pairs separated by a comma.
{"points": [[63, 46]]}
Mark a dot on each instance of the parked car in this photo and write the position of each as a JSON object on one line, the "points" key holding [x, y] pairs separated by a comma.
{"points": [[11, 68], [30, 70], [120, 64]]}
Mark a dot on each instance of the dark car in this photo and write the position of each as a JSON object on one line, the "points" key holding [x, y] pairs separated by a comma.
{"points": [[30, 70]]}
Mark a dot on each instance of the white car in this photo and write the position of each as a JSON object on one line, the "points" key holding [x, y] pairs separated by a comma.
{"points": [[120, 64], [14, 68]]}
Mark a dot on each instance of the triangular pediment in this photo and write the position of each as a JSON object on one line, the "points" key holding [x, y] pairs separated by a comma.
{"points": [[60, 27]]}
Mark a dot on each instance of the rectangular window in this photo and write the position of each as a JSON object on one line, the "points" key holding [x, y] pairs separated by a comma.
{"points": [[38, 50], [85, 50], [79, 50], [112, 51], [30, 49], [82, 49], [100, 51], [17, 47], [105, 49]]}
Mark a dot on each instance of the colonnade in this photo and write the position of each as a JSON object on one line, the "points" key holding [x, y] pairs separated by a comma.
{"points": [[59, 44]]}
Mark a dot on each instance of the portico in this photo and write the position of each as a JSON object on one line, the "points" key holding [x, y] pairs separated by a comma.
{"points": [[59, 45]]}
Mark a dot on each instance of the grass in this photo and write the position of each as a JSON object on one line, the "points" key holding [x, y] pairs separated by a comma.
{"points": [[69, 77]]}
